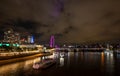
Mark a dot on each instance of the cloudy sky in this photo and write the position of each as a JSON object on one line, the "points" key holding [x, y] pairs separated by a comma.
{"points": [[69, 20]]}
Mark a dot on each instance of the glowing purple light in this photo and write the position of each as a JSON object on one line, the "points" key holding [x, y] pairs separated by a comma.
{"points": [[52, 42], [59, 7]]}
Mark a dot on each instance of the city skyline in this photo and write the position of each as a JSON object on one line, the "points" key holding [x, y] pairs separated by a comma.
{"points": [[70, 21]]}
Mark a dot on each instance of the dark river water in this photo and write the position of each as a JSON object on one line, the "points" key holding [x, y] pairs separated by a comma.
{"points": [[71, 64]]}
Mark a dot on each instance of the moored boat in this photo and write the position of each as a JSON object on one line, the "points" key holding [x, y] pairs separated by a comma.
{"points": [[45, 64]]}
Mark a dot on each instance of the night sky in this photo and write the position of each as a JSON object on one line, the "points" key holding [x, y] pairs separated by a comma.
{"points": [[69, 20]]}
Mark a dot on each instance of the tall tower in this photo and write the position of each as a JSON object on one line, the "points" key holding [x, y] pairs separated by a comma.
{"points": [[30, 39], [52, 41]]}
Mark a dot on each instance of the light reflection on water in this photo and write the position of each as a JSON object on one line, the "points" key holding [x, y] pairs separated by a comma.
{"points": [[86, 61], [109, 63], [61, 62]]}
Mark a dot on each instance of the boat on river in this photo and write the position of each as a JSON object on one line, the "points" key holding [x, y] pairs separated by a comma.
{"points": [[45, 64], [62, 54]]}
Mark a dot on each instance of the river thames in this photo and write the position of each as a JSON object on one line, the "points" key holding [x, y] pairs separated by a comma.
{"points": [[71, 64]]}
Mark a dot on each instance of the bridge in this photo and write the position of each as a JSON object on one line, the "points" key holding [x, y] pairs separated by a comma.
{"points": [[81, 49], [66, 49]]}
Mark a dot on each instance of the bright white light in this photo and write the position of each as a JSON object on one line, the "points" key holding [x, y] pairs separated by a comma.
{"points": [[61, 61]]}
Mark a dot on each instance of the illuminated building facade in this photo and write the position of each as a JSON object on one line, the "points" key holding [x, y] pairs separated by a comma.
{"points": [[11, 37]]}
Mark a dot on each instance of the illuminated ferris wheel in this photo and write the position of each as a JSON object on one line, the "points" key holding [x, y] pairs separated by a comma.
{"points": [[52, 41]]}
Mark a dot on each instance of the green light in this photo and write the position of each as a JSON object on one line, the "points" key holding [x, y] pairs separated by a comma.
{"points": [[7, 44], [0, 44], [18, 45], [14, 45]]}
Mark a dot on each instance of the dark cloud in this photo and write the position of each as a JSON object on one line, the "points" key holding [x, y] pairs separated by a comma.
{"points": [[19, 25], [108, 15], [68, 20], [25, 24], [116, 23], [69, 29]]}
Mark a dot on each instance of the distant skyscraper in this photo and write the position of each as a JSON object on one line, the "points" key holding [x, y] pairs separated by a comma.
{"points": [[11, 36], [52, 41], [30, 39]]}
